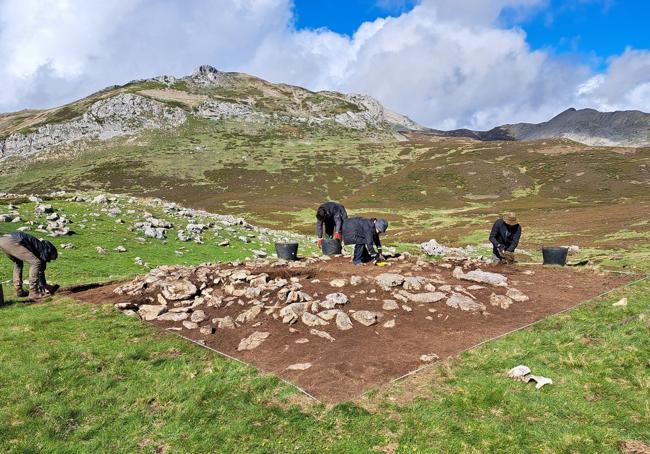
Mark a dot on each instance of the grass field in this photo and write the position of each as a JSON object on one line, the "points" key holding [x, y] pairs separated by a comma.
{"points": [[84, 378]]}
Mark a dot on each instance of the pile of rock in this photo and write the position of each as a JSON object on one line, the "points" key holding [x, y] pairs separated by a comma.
{"points": [[433, 248]]}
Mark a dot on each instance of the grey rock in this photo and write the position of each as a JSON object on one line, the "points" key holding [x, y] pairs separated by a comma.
{"points": [[366, 318], [190, 325], [179, 290], [482, 277], [150, 311], [388, 280], [174, 316], [253, 341], [464, 303], [429, 297], [312, 320], [198, 316], [334, 299], [322, 334], [390, 305]]}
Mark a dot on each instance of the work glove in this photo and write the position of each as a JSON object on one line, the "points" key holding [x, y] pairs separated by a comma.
{"points": [[337, 236], [319, 242]]}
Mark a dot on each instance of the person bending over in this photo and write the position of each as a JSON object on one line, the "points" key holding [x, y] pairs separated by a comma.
{"points": [[504, 237], [20, 248], [364, 233], [332, 215]]}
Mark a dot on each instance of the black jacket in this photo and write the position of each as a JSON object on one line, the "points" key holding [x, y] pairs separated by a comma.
{"points": [[41, 249], [506, 235], [334, 218], [361, 231]]}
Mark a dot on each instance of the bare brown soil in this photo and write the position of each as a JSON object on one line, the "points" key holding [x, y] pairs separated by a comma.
{"points": [[366, 357]]}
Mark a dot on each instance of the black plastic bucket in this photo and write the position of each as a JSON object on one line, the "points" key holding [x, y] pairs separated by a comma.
{"points": [[331, 247], [555, 255], [287, 251]]}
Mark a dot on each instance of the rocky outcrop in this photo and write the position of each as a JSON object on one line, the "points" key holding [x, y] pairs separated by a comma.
{"points": [[120, 115]]}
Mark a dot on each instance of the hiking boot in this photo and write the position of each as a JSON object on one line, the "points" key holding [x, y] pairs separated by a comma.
{"points": [[20, 293], [35, 295]]}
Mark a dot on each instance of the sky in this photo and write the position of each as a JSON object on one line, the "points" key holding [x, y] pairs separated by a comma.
{"points": [[445, 63]]}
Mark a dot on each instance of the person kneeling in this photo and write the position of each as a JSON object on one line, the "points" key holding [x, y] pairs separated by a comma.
{"points": [[21, 247], [364, 233], [504, 237]]}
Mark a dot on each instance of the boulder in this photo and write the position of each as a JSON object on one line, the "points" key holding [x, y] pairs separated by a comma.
{"points": [[388, 280], [225, 322], [389, 323], [43, 209], [179, 290], [338, 283], [151, 311], [356, 280], [190, 325], [483, 277], [464, 303], [328, 314], [366, 318], [253, 341], [207, 330], [414, 283]]}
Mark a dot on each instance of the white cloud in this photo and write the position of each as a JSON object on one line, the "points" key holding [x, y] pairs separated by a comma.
{"points": [[446, 63]]}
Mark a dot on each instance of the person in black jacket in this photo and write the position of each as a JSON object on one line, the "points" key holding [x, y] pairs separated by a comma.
{"points": [[504, 237], [21, 247], [364, 234], [331, 214]]}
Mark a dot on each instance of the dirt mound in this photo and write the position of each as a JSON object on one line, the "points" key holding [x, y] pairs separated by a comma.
{"points": [[336, 329]]}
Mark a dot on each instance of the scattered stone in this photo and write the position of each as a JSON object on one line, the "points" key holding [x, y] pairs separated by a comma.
{"points": [[430, 297], [139, 261], [43, 209], [433, 248], [389, 323], [334, 299], [414, 283], [299, 366], [519, 372], [483, 277], [366, 318], [343, 322], [356, 280], [338, 283], [224, 243], [179, 290], [120, 249], [125, 306], [253, 341], [101, 251], [207, 330], [102, 198], [198, 316], [174, 316], [302, 340], [501, 301], [190, 325], [259, 253], [407, 308], [328, 314], [517, 295], [150, 311], [620, 303], [429, 358], [225, 322], [67, 246], [539, 380], [476, 287], [322, 334], [387, 280], [390, 305], [312, 320], [464, 303]]}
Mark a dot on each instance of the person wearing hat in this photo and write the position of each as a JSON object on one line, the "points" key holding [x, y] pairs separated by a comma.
{"points": [[504, 237], [364, 234], [332, 215], [21, 247]]}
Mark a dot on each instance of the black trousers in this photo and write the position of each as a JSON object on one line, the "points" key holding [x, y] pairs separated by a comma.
{"points": [[361, 254]]}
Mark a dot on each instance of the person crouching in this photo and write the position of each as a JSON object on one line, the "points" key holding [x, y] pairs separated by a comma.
{"points": [[21, 247], [364, 233], [504, 237]]}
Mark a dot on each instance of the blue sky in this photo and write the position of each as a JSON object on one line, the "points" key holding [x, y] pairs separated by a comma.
{"points": [[590, 29]]}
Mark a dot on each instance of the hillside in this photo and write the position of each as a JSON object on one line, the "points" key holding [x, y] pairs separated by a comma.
{"points": [[588, 126], [167, 103]]}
